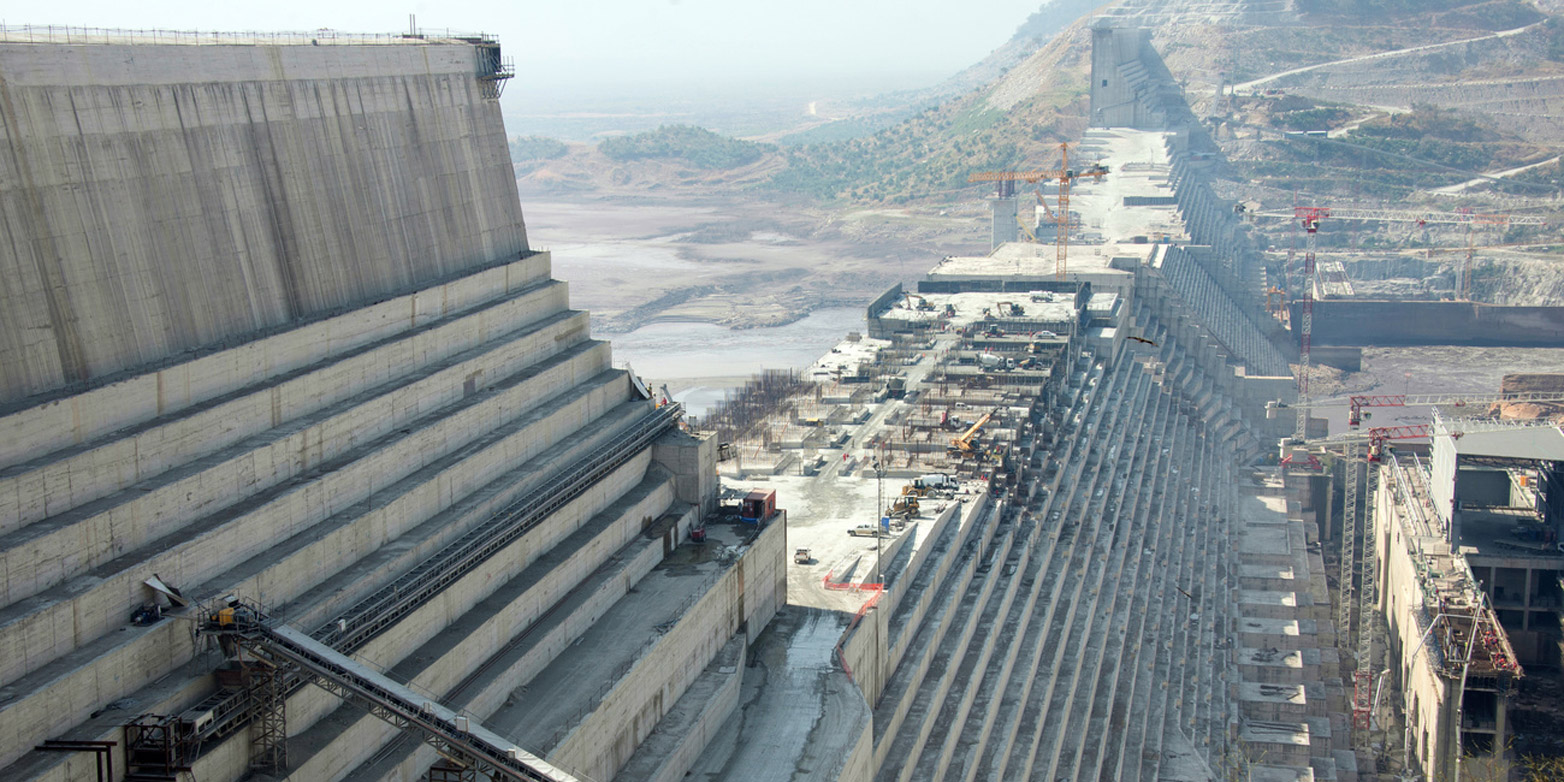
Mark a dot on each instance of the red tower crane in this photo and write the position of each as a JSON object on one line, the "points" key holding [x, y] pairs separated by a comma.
{"points": [[1466, 217]]}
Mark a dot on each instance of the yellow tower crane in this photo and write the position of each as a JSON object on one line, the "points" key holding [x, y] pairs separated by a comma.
{"points": [[1066, 176]]}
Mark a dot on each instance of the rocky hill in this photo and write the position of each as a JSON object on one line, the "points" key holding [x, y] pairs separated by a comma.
{"points": [[1441, 104], [1011, 108]]}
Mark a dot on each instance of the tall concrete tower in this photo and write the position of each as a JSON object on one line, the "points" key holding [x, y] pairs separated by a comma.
{"points": [[1117, 71]]}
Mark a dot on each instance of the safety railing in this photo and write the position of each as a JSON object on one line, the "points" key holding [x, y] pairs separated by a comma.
{"points": [[71, 34]]}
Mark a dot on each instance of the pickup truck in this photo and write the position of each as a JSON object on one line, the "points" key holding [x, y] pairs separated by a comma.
{"points": [[865, 531]]}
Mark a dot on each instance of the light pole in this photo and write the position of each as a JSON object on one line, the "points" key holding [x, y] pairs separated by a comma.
{"points": [[879, 506]]}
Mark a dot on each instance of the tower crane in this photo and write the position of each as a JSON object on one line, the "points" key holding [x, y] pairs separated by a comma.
{"points": [[1356, 461], [1066, 177], [1466, 217], [1309, 218]]}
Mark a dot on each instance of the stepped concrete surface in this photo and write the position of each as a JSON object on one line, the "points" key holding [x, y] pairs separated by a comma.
{"points": [[345, 367], [1042, 553]]}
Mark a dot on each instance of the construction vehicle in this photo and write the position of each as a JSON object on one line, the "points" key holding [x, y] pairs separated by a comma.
{"points": [[994, 361], [927, 485], [962, 445], [1066, 177], [1009, 309], [917, 302], [903, 507]]}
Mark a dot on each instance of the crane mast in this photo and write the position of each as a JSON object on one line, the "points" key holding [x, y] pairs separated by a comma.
{"points": [[1358, 574], [1310, 217], [1065, 176], [1062, 218]]}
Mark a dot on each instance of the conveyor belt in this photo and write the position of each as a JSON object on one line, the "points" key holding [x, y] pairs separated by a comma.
{"points": [[352, 629], [451, 735], [401, 597]]}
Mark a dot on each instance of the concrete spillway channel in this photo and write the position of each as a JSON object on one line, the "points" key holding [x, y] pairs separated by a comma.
{"points": [[1056, 688]]}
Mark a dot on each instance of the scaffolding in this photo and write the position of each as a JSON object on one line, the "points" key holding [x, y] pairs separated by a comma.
{"points": [[457, 738]]}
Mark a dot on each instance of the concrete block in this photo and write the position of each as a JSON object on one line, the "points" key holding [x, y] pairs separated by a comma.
{"points": [[47, 552], [144, 197]]}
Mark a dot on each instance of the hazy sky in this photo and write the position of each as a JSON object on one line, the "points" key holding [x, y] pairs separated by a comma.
{"points": [[603, 44]]}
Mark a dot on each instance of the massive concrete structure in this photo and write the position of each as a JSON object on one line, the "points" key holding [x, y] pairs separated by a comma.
{"points": [[1468, 541], [270, 327], [1108, 591], [417, 455], [162, 199]]}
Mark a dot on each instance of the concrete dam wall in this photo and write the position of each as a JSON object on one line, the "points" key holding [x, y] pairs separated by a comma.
{"points": [[156, 200], [1401, 323], [270, 328]]}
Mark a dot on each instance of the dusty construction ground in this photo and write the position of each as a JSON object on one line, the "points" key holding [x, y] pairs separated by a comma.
{"points": [[736, 262]]}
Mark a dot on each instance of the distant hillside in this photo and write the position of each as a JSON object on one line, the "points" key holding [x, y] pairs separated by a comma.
{"points": [[1011, 109], [1033, 34], [1016, 120]]}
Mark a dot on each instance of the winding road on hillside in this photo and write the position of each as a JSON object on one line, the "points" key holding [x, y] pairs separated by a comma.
{"points": [[1250, 85]]}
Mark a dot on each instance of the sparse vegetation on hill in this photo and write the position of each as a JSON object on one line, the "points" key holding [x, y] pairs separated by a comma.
{"points": [[697, 146], [1489, 15], [931, 154], [1389, 156], [886, 157], [1553, 29], [1375, 6], [526, 149]]}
